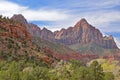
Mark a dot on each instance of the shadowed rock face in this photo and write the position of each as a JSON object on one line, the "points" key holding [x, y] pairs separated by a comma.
{"points": [[82, 33], [20, 18], [47, 35], [32, 28]]}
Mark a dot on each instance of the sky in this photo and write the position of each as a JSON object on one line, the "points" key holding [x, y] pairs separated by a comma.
{"points": [[57, 14]]}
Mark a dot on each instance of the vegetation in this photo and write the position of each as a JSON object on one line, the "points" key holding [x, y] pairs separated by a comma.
{"points": [[92, 48], [110, 67], [58, 48], [62, 70]]}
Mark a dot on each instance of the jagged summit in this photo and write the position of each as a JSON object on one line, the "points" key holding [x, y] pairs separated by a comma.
{"points": [[83, 20], [44, 29], [20, 18], [82, 23]]}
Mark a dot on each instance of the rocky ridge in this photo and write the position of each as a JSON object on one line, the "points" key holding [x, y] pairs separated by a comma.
{"points": [[81, 33]]}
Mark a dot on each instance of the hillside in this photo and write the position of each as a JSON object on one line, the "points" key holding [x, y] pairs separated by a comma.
{"points": [[16, 43], [93, 48], [56, 47]]}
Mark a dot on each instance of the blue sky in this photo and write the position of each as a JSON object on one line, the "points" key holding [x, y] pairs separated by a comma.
{"points": [[57, 14]]}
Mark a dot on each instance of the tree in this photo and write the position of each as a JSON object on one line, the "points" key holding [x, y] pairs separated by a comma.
{"points": [[96, 71], [41, 73], [27, 76], [13, 71], [0, 16], [109, 76], [76, 63]]}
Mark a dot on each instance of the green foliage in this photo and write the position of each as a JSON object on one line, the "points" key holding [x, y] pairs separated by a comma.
{"points": [[9, 45], [62, 70], [92, 48], [58, 48], [76, 63], [2, 29], [0, 16], [96, 71], [109, 76]]}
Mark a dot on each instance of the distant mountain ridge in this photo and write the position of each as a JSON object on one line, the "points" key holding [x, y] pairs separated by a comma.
{"points": [[40, 37], [84, 33], [81, 34]]}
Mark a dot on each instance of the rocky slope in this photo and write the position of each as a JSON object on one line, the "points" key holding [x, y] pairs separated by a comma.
{"points": [[15, 41], [10, 28]]}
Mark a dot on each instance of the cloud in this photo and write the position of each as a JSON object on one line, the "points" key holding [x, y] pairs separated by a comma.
{"points": [[103, 19], [8, 8], [44, 15], [117, 42]]}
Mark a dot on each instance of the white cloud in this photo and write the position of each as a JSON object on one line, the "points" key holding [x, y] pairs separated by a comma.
{"points": [[8, 8], [100, 19], [104, 20], [44, 15], [92, 5], [117, 42], [108, 3]]}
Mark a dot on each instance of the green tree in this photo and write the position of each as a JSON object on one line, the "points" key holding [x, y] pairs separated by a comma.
{"points": [[13, 71], [41, 73], [96, 71], [109, 76], [27, 76], [0, 16]]}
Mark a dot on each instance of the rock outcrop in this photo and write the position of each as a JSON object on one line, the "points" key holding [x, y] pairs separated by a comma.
{"points": [[13, 29], [32, 28], [47, 35]]}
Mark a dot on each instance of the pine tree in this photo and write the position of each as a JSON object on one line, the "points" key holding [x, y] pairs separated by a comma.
{"points": [[96, 71]]}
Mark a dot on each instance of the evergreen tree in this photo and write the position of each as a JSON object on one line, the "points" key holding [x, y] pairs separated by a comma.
{"points": [[96, 71]]}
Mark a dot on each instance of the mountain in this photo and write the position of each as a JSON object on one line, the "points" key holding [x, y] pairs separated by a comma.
{"points": [[42, 37], [82, 37], [17, 43], [85, 38], [84, 33]]}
